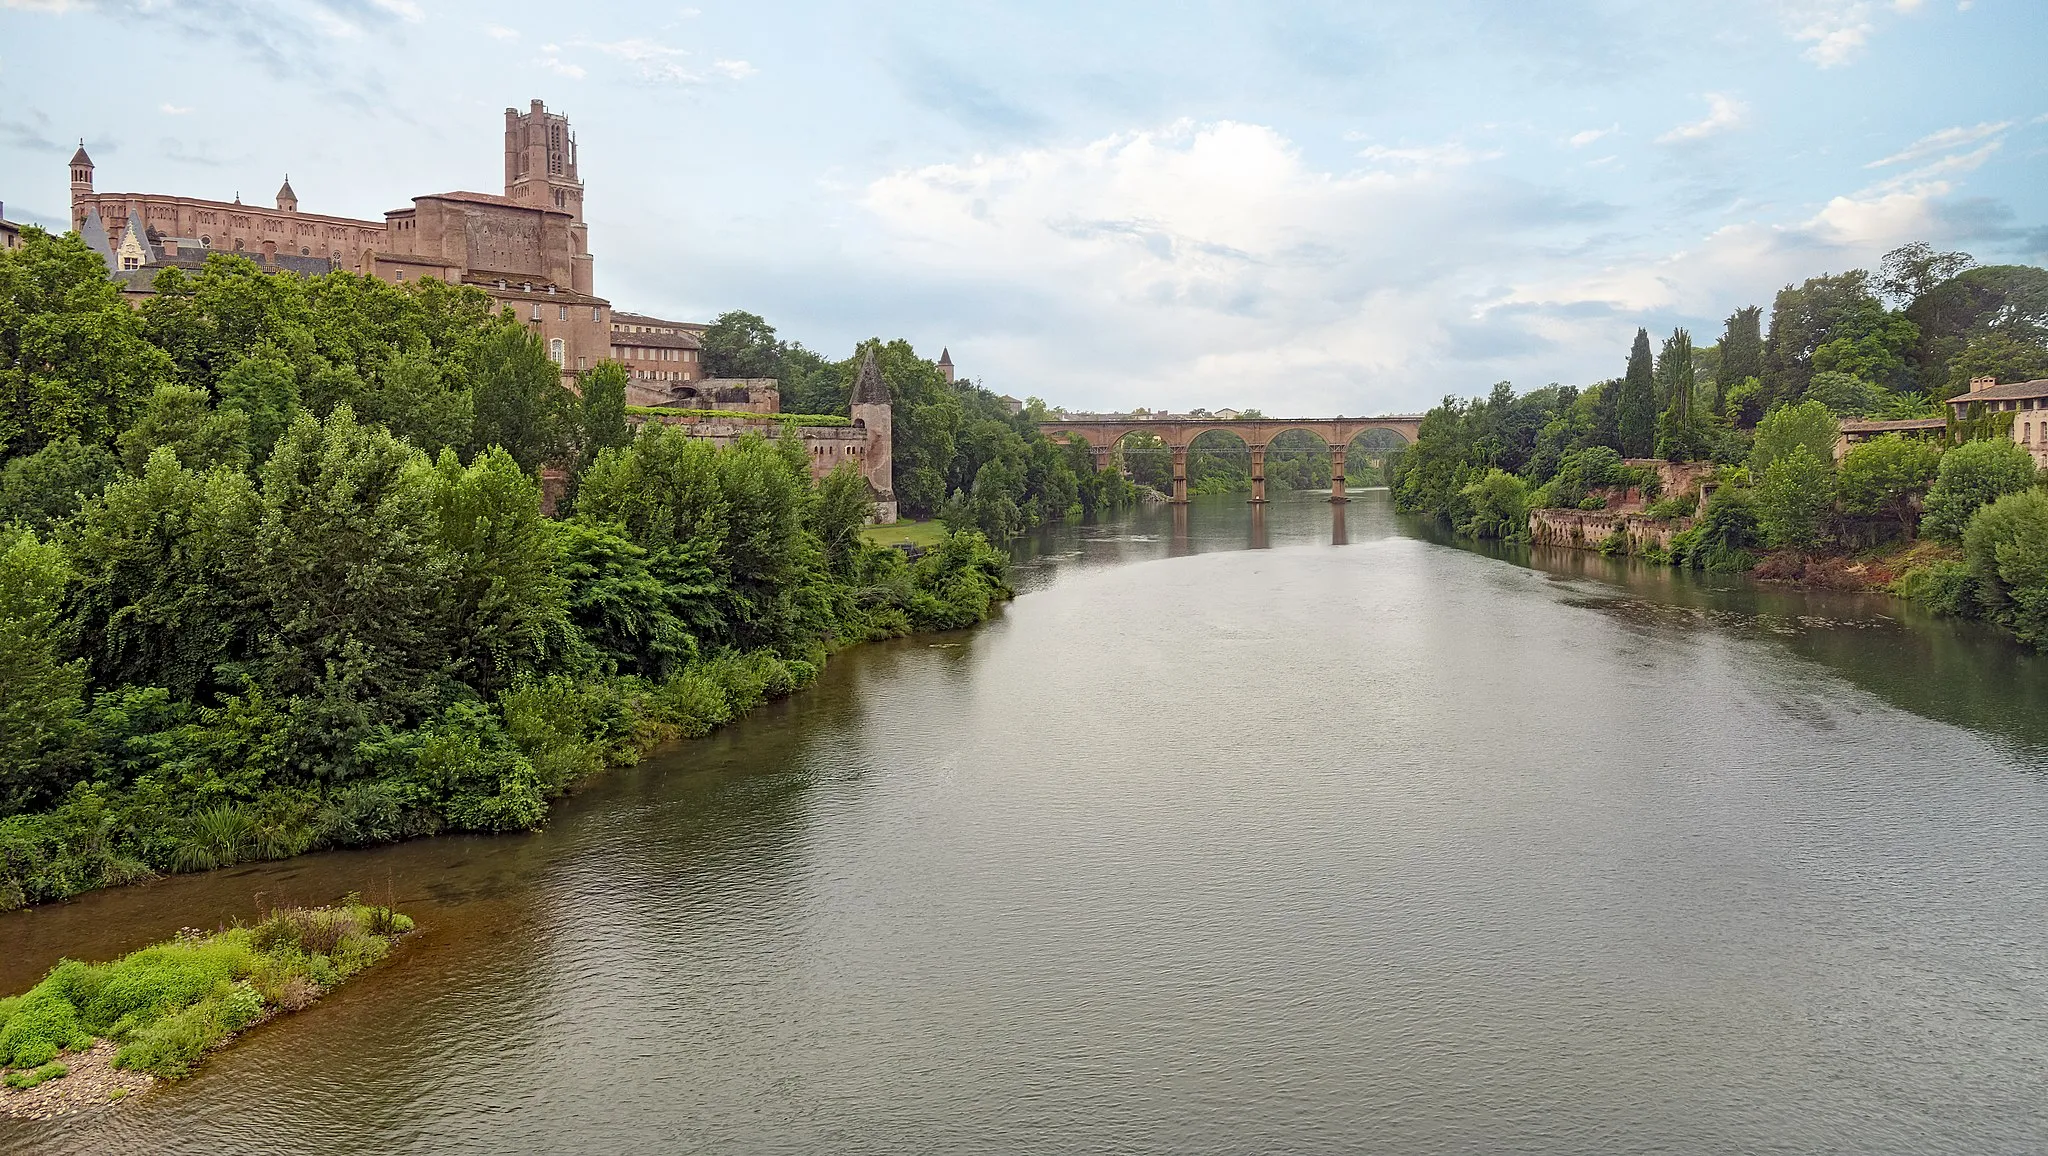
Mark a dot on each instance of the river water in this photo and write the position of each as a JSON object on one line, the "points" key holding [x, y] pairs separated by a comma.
{"points": [[1358, 841]]}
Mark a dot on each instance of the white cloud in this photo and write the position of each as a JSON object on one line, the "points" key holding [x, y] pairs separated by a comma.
{"points": [[1837, 31], [58, 7], [170, 109], [551, 60], [733, 69], [1210, 263], [1579, 140], [405, 10], [1448, 154], [500, 32], [1724, 112], [1941, 142]]}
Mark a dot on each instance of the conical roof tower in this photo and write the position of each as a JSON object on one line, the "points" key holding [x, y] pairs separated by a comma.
{"points": [[868, 386]]}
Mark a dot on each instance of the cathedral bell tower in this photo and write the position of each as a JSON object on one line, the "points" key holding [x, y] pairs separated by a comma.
{"points": [[81, 184], [540, 170]]}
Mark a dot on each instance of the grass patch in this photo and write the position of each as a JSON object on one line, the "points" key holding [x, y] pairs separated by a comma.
{"points": [[810, 419], [167, 1005], [924, 535]]}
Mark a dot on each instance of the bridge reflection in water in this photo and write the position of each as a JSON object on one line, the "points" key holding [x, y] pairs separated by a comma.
{"points": [[1180, 541]]}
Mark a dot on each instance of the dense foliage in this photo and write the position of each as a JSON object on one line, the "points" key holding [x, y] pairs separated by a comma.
{"points": [[275, 573], [1766, 408], [959, 452]]}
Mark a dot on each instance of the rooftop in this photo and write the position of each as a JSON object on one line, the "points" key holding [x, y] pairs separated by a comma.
{"points": [[1858, 425], [2018, 389], [685, 340]]}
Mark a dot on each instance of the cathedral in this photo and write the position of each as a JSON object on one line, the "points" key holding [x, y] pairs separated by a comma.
{"points": [[528, 249]]}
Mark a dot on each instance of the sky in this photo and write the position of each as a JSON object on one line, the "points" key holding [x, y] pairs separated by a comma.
{"points": [[1312, 208]]}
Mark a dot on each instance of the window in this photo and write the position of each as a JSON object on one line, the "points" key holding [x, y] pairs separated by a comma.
{"points": [[238, 244], [304, 251], [399, 275], [536, 311], [128, 262], [593, 314], [555, 351], [564, 315], [581, 362]]}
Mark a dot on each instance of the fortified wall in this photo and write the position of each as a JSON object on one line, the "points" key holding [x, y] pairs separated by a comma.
{"points": [[1588, 529]]}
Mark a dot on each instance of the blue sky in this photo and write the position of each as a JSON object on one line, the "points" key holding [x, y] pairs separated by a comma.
{"points": [[1311, 208]]}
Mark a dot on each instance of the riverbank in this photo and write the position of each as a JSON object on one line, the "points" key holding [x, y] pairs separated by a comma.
{"points": [[478, 767], [91, 1034]]}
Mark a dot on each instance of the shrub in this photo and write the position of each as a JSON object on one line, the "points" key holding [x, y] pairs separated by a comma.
{"points": [[1944, 587], [2007, 548], [1497, 506], [1680, 506], [1724, 538], [1971, 476], [1794, 499], [24, 1080]]}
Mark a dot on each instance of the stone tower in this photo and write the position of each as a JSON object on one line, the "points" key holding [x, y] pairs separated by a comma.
{"points": [[287, 200], [540, 170], [870, 411], [946, 364], [81, 184]]}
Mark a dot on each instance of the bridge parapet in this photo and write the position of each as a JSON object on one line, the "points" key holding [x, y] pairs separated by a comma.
{"points": [[1102, 436]]}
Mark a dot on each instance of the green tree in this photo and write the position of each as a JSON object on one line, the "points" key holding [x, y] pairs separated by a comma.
{"points": [[1999, 355], [1636, 407], [1972, 475], [165, 595], [1808, 424], [1497, 506], [1886, 477], [414, 396], [54, 483], [265, 389], [604, 410], [43, 737], [616, 602], [503, 597], [2006, 545], [74, 362], [1794, 500], [178, 418], [1742, 352], [518, 398], [1837, 313], [348, 565], [1681, 437], [1846, 395], [741, 344]]}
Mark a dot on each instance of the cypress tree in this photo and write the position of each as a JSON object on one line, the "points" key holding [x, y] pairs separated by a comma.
{"points": [[1636, 409], [1679, 436]]}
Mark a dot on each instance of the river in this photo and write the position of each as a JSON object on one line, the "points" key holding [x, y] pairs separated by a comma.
{"points": [[1357, 841]]}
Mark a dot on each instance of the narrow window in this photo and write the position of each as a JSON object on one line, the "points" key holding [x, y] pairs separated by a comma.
{"points": [[536, 311], [564, 315], [555, 351]]}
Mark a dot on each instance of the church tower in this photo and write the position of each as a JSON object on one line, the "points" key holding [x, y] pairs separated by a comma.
{"points": [[540, 170], [81, 185], [870, 411], [287, 200]]}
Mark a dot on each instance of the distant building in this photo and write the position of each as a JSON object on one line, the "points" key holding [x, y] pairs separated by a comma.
{"points": [[2027, 401], [528, 249], [945, 363], [656, 352], [10, 233]]}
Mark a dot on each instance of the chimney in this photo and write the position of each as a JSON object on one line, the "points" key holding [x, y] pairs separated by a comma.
{"points": [[1978, 384]]}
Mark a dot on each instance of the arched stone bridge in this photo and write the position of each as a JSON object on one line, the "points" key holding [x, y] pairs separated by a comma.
{"points": [[1103, 434]]}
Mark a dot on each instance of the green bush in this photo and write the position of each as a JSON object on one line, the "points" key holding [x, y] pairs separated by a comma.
{"points": [[1971, 476], [167, 1004], [1944, 587], [31, 1077], [2007, 548]]}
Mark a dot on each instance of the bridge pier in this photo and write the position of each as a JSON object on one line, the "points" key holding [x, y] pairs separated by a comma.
{"points": [[1101, 456], [1337, 474], [1180, 475], [1339, 536], [1258, 474]]}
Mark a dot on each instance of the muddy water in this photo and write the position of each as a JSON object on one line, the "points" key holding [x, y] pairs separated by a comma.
{"points": [[1230, 835]]}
